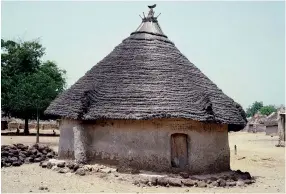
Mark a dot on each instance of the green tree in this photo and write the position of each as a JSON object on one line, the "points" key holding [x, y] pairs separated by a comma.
{"points": [[28, 85], [254, 108], [267, 110]]}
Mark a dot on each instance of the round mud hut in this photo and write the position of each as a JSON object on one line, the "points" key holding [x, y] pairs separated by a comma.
{"points": [[146, 106]]}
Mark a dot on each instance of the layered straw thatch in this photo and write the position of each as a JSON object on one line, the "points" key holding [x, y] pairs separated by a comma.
{"points": [[147, 77]]}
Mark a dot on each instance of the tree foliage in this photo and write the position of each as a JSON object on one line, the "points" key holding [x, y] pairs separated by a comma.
{"points": [[267, 110], [258, 107], [28, 84], [254, 108]]}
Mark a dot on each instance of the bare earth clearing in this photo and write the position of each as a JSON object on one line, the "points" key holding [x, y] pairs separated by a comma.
{"points": [[262, 159]]}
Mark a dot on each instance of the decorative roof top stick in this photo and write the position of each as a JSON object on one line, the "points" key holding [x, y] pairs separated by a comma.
{"points": [[158, 15], [150, 17], [151, 12]]}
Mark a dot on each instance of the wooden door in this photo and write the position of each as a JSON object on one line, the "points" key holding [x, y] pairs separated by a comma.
{"points": [[179, 150]]}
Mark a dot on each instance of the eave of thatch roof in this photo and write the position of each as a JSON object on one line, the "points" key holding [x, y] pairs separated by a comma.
{"points": [[147, 77]]}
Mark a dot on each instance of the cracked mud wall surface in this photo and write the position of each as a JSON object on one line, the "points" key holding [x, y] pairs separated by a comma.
{"points": [[146, 144]]}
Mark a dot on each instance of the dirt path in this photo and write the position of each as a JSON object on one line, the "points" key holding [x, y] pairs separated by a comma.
{"points": [[262, 159]]}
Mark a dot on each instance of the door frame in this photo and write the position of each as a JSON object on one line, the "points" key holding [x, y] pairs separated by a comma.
{"points": [[188, 149]]}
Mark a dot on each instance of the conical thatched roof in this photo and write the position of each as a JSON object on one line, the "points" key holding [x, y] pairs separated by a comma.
{"points": [[272, 119], [257, 119], [147, 77]]}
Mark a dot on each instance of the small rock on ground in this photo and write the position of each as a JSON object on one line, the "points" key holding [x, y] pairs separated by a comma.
{"points": [[80, 172]]}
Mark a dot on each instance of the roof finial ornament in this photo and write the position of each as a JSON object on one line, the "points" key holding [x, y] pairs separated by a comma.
{"points": [[151, 12], [150, 17]]}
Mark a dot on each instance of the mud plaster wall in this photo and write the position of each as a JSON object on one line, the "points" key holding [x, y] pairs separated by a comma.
{"points": [[66, 143], [257, 128], [272, 130], [146, 144]]}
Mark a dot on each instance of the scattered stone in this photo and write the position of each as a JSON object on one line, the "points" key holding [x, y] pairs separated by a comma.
{"points": [[38, 159], [87, 168], [49, 165], [16, 163], [149, 184], [107, 170], [76, 166], [80, 171], [153, 180], [70, 165], [230, 183], [22, 159], [136, 182], [202, 184], [188, 182], [187, 190], [55, 168], [14, 152], [215, 184], [240, 183], [50, 155], [13, 159], [4, 153], [20, 154], [184, 175], [248, 181], [163, 181], [176, 182], [61, 164], [221, 182], [29, 160], [63, 170], [245, 176]]}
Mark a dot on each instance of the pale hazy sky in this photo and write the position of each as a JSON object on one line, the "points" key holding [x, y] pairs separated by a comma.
{"points": [[240, 46]]}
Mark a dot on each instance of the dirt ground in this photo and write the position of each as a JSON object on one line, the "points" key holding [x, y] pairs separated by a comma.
{"points": [[256, 153]]}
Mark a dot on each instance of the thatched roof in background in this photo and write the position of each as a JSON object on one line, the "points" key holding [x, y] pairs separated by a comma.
{"points": [[257, 119], [147, 77], [272, 119]]}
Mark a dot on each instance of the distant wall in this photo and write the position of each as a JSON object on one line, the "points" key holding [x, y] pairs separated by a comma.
{"points": [[146, 144], [32, 125], [254, 128], [272, 130]]}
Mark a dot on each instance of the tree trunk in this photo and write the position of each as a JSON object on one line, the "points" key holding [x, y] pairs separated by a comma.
{"points": [[26, 129], [38, 127]]}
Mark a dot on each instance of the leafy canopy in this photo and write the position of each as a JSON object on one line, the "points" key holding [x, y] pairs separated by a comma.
{"points": [[267, 110], [28, 84], [258, 107], [254, 108]]}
